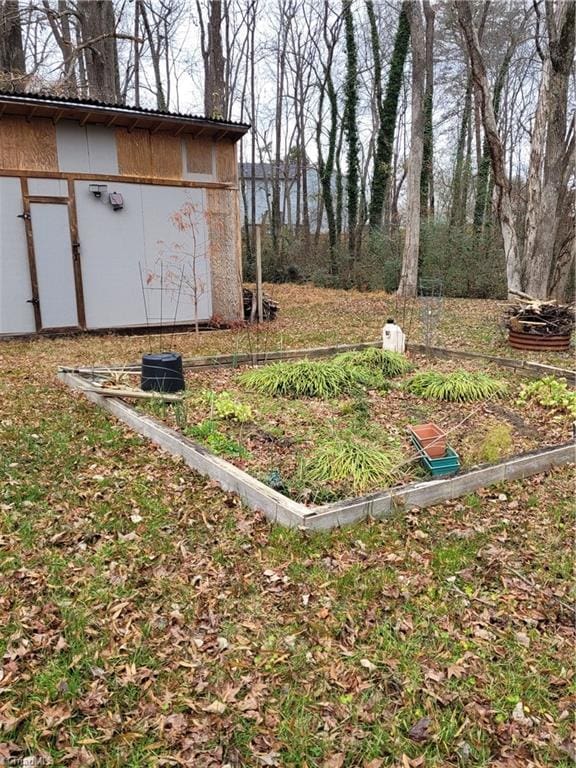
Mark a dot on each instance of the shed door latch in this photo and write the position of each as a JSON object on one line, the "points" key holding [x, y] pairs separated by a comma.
{"points": [[25, 216]]}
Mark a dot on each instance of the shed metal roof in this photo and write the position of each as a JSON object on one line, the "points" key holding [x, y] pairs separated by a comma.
{"points": [[95, 112]]}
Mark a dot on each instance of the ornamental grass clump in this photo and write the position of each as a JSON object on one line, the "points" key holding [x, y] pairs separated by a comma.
{"points": [[305, 379], [385, 361], [459, 387], [351, 463]]}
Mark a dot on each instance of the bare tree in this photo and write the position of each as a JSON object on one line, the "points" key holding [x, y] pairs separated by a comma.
{"points": [[548, 148], [530, 269], [409, 275], [504, 209]]}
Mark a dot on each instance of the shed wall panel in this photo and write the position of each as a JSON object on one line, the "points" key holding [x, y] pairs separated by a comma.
{"points": [[166, 156], [102, 156], [16, 315], [176, 251], [116, 248], [86, 149], [27, 145], [52, 187], [111, 245], [199, 157], [72, 145], [134, 152], [226, 168], [222, 214]]}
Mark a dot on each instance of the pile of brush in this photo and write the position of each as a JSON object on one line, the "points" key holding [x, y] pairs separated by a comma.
{"points": [[269, 308], [541, 318]]}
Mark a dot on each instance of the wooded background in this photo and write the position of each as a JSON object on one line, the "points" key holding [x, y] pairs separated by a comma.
{"points": [[432, 140]]}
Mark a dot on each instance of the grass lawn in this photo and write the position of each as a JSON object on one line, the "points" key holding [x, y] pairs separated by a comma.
{"points": [[147, 619]]}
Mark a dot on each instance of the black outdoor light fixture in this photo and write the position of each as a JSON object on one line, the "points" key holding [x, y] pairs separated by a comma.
{"points": [[98, 189]]}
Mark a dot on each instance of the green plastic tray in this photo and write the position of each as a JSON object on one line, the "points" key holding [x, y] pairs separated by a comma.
{"points": [[446, 465]]}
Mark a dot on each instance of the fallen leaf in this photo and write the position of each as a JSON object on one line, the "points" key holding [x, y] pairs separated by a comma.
{"points": [[518, 715], [568, 746], [419, 731], [215, 708], [334, 761]]}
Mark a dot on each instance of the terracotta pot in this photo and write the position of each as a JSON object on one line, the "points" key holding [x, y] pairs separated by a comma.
{"points": [[539, 342], [431, 438]]}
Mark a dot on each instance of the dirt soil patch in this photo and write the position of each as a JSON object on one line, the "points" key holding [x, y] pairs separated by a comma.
{"points": [[281, 434]]}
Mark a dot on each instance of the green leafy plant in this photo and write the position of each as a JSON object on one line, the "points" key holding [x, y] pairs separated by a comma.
{"points": [[459, 387], [353, 463], [387, 362], [207, 433], [306, 379], [550, 392], [495, 444], [224, 406]]}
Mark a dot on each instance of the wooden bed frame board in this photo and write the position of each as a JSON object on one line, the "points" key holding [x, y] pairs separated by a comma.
{"points": [[522, 367], [279, 508]]}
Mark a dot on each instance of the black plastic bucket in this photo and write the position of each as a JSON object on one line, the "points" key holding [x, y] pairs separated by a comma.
{"points": [[162, 372]]}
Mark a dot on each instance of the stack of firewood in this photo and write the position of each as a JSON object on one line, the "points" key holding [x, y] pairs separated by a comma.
{"points": [[542, 318], [269, 308]]}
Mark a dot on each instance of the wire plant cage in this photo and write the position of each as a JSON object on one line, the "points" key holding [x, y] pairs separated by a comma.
{"points": [[431, 301]]}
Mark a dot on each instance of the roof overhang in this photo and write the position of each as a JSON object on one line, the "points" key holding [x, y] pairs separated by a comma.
{"points": [[29, 106]]}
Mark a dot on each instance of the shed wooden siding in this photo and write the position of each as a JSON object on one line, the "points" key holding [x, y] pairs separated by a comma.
{"points": [[198, 154], [32, 145], [226, 166], [27, 145], [165, 156]]}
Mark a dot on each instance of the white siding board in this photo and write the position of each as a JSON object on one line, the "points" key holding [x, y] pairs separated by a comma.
{"points": [[72, 146], [111, 246], [102, 150], [52, 187], [114, 246], [16, 315], [88, 149], [168, 255]]}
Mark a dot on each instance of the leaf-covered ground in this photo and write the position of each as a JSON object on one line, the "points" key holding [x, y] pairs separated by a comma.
{"points": [[146, 618]]}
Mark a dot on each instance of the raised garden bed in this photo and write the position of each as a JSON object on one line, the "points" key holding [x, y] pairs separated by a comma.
{"points": [[274, 449]]}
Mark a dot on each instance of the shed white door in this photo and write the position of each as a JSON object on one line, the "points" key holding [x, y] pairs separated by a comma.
{"points": [[54, 265]]}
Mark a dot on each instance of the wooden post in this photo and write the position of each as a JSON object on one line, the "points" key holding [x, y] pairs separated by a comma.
{"points": [[259, 272]]}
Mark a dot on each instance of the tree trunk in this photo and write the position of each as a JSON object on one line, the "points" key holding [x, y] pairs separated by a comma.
{"points": [[326, 164], [504, 210], [409, 275], [483, 177], [457, 216], [351, 132], [11, 48], [215, 96], [547, 154], [427, 176], [387, 117], [98, 27]]}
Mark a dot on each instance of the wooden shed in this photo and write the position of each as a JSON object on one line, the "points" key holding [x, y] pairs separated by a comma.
{"points": [[115, 217]]}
